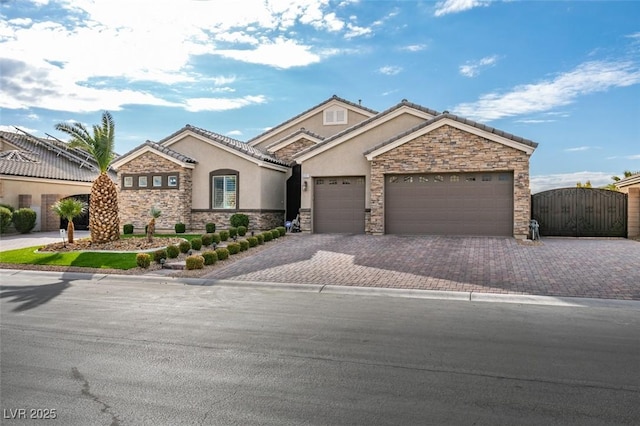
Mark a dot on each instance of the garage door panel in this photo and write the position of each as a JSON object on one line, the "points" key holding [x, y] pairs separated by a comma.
{"points": [[454, 204], [339, 205]]}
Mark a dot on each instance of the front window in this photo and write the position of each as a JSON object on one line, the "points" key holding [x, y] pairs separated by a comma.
{"points": [[224, 191]]}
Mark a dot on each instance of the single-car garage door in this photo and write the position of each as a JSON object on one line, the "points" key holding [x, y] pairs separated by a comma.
{"points": [[338, 205], [449, 204]]}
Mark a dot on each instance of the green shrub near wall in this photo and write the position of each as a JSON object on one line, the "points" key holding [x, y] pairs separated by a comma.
{"points": [[234, 248], [242, 230], [127, 229], [196, 243], [268, 236], [275, 233], [216, 238], [244, 245], [5, 219], [282, 230], [239, 219], [233, 232], [207, 239], [180, 228], [184, 246], [224, 235], [210, 228], [24, 220], [260, 238]]}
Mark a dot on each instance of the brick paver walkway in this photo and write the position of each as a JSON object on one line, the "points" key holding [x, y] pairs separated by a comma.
{"points": [[597, 268]]}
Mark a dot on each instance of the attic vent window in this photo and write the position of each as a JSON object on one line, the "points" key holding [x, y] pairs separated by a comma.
{"points": [[335, 115]]}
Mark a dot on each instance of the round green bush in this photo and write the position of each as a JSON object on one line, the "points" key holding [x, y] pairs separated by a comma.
{"points": [[234, 248], [244, 245], [260, 238], [253, 241], [196, 243], [173, 251], [222, 253], [275, 233], [5, 219], [143, 260], [24, 220], [233, 232], [210, 257], [180, 228], [207, 239], [239, 219], [210, 228], [216, 238], [160, 254], [127, 228], [267, 235], [282, 230], [184, 246], [224, 235], [194, 262], [242, 230]]}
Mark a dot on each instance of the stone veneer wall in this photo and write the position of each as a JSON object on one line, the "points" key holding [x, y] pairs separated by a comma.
{"points": [[305, 220], [259, 220], [287, 153], [448, 149], [175, 204], [49, 221], [633, 213]]}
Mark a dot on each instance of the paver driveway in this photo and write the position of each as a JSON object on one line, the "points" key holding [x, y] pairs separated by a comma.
{"points": [[600, 268]]}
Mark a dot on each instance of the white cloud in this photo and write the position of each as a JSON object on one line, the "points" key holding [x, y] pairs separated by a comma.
{"points": [[578, 148], [235, 133], [281, 53], [565, 180], [357, 31], [222, 104], [590, 77], [390, 70], [473, 68], [455, 6], [414, 47]]}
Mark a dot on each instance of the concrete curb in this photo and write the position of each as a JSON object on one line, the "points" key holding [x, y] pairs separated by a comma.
{"points": [[524, 299]]}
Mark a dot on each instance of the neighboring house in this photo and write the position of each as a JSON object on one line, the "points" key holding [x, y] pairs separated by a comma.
{"points": [[37, 172], [631, 186], [343, 168]]}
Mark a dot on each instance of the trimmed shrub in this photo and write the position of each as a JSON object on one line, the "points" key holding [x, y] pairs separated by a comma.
{"points": [[233, 232], [5, 218], [242, 230], [180, 228], [160, 254], [224, 235], [207, 239], [216, 238], [143, 260], [210, 228], [244, 245], [127, 228], [282, 230], [194, 262], [253, 241], [173, 251], [267, 235], [184, 246], [239, 219], [234, 248], [24, 220], [275, 233], [222, 253], [210, 257], [260, 238], [196, 243], [8, 207]]}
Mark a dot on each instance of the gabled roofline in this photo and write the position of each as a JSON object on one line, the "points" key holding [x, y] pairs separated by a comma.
{"points": [[294, 137], [401, 108], [308, 113], [157, 149], [228, 144], [446, 118], [628, 181]]}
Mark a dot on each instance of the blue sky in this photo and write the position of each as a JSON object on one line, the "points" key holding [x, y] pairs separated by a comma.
{"points": [[564, 74]]}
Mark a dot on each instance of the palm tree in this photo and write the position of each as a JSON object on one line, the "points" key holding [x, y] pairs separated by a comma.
{"points": [[151, 227], [69, 208], [103, 212]]}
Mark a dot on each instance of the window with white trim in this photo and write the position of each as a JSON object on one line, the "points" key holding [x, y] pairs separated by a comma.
{"points": [[334, 115], [224, 190]]}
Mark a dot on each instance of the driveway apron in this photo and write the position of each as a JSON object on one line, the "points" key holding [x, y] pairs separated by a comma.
{"points": [[595, 268]]}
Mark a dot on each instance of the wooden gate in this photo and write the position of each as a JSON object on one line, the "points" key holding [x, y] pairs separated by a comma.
{"points": [[580, 212]]}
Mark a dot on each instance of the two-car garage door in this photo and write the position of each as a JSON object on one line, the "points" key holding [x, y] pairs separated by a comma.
{"points": [[449, 204]]}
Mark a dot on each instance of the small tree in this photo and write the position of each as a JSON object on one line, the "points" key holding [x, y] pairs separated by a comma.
{"points": [[151, 227], [69, 208]]}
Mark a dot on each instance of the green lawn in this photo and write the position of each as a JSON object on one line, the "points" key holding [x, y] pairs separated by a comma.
{"points": [[86, 259]]}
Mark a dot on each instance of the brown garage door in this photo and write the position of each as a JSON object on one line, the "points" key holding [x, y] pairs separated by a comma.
{"points": [[449, 204], [338, 205]]}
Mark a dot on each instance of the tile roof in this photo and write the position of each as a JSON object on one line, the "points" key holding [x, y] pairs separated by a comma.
{"points": [[333, 98], [446, 114], [301, 131], [629, 180], [47, 159], [162, 149], [235, 144]]}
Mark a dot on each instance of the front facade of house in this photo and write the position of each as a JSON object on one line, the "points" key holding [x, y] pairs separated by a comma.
{"points": [[343, 168]]}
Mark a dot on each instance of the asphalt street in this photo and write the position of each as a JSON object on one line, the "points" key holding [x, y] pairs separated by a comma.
{"points": [[131, 352]]}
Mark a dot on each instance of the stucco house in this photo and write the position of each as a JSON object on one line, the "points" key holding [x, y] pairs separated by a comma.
{"points": [[36, 172], [631, 186], [343, 168]]}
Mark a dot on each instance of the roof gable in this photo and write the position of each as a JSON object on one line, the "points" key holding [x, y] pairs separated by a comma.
{"points": [[446, 118], [295, 121], [294, 137], [157, 149]]}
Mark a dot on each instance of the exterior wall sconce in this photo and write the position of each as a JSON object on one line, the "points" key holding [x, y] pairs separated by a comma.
{"points": [[305, 185]]}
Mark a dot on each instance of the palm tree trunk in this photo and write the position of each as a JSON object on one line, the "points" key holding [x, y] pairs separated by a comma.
{"points": [[103, 210], [151, 229], [70, 229]]}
